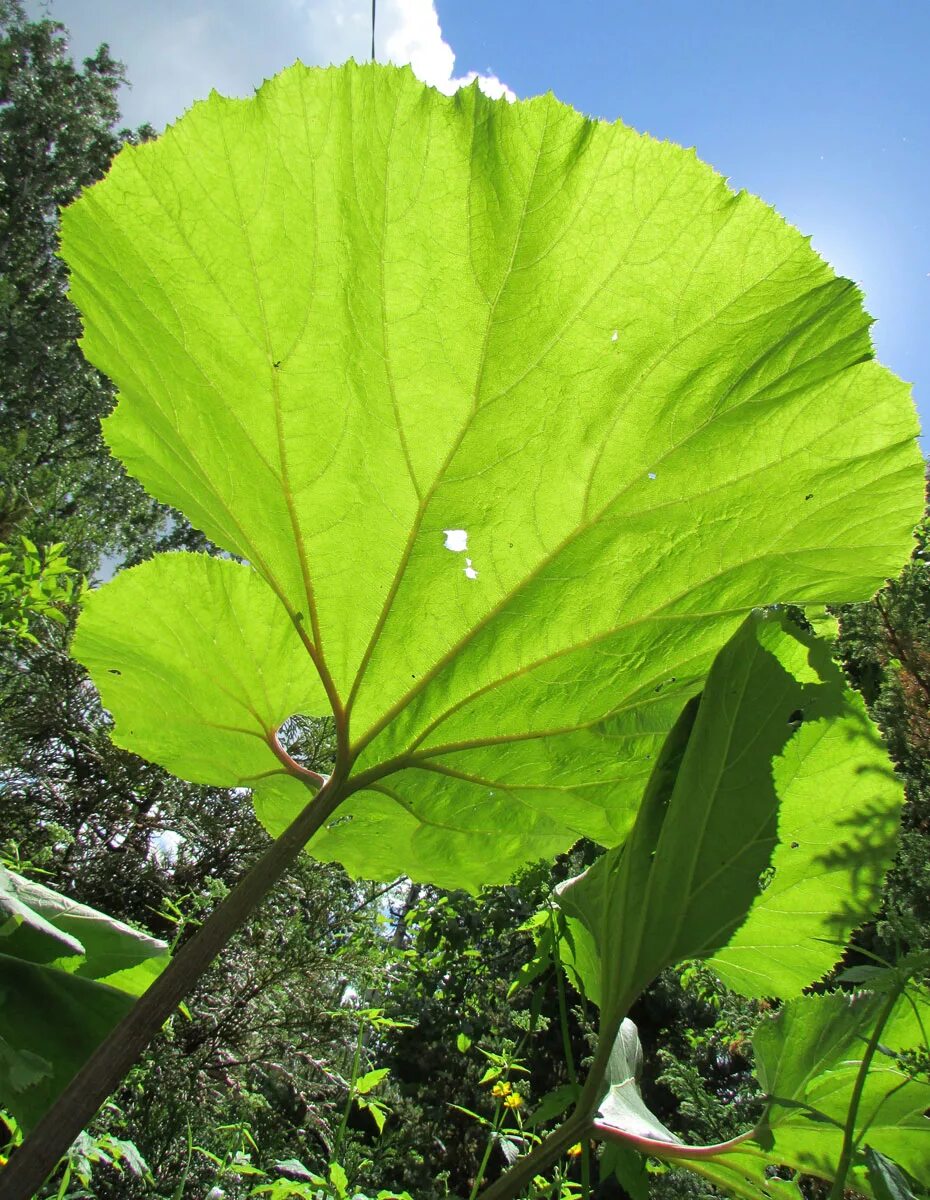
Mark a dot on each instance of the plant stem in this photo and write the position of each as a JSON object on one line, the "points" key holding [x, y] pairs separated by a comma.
{"points": [[356, 1062], [567, 1049], [585, 1169], [525, 1169], [849, 1131], [101, 1074], [563, 1006], [489, 1146], [575, 1129], [671, 1151]]}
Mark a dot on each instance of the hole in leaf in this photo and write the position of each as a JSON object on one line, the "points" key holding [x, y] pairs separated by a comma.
{"points": [[456, 539], [310, 742], [794, 845], [652, 474], [470, 572], [113, 671]]}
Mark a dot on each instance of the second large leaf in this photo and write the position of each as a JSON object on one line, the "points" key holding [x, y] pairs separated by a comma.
{"points": [[514, 412]]}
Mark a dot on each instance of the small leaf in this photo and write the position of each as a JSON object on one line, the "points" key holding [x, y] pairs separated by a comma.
{"points": [[339, 1179], [378, 1111], [886, 1179], [627, 1167], [22, 1069], [510, 1146], [129, 1153], [463, 1043], [553, 1104], [861, 974], [468, 1113], [537, 965], [294, 1167], [244, 1169], [370, 1080]]}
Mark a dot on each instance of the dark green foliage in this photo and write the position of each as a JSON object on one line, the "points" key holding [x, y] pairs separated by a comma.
{"points": [[57, 135], [455, 960], [266, 1046], [885, 646]]}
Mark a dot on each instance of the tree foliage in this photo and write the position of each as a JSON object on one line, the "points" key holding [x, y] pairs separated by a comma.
{"points": [[57, 135], [885, 646]]}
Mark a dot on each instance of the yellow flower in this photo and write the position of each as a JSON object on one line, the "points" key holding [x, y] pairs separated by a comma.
{"points": [[513, 1100], [502, 1088], [574, 1151]]}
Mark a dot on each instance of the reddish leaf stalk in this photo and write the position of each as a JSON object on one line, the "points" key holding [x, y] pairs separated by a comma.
{"points": [[671, 1151]]}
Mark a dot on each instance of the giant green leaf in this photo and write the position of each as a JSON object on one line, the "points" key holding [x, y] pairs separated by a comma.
{"points": [[763, 834], [40, 925], [351, 315], [219, 658], [68, 973], [807, 1059], [50, 1023]]}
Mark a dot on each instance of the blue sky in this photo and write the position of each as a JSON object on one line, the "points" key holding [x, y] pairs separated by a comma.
{"points": [[822, 108]]}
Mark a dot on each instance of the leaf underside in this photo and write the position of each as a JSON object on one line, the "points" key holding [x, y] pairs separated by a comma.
{"points": [[350, 315]]}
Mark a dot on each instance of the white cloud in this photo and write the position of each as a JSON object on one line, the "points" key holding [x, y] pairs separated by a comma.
{"points": [[408, 31], [489, 84], [175, 56]]}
